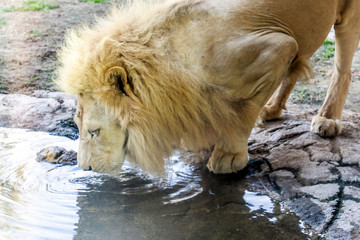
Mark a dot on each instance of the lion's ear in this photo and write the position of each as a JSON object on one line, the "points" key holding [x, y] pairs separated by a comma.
{"points": [[118, 79]]}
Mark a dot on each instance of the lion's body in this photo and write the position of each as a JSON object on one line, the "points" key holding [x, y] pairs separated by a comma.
{"points": [[198, 73]]}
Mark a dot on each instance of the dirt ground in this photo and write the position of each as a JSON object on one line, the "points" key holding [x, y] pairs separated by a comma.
{"points": [[29, 41]]}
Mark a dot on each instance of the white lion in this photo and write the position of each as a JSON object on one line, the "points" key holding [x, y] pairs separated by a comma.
{"points": [[197, 73]]}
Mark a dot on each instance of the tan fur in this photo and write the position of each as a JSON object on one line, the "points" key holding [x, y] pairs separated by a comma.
{"points": [[328, 121], [190, 73]]}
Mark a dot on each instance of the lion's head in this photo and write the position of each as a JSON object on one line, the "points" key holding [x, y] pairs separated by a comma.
{"points": [[103, 141]]}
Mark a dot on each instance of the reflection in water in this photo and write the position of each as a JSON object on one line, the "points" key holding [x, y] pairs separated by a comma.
{"points": [[45, 201], [258, 202]]}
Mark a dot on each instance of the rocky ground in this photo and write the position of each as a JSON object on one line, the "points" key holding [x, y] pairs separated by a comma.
{"points": [[316, 178]]}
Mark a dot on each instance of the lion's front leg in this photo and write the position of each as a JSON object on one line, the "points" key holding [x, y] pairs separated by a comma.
{"points": [[228, 157], [328, 121]]}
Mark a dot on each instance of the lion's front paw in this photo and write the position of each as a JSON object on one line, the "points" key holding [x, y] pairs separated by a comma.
{"points": [[270, 112], [325, 127], [224, 162]]}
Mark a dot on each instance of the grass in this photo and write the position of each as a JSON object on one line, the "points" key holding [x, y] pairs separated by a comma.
{"points": [[95, 1], [328, 42], [32, 5], [329, 50], [37, 32], [2, 22], [308, 95], [48, 70]]}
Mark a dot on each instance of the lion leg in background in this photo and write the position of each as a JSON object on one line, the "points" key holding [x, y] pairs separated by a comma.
{"points": [[259, 79], [327, 122], [276, 103]]}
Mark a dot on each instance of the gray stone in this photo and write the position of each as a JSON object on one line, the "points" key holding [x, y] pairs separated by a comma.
{"points": [[322, 152], [313, 173], [305, 139], [290, 130], [348, 219], [283, 157], [57, 155], [352, 191], [350, 151], [282, 174], [328, 209], [51, 113], [349, 174], [315, 213], [338, 234], [321, 191]]}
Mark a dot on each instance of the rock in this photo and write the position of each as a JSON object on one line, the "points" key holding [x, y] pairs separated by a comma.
{"points": [[282, 174], [321, 191], [49, 112], [282, 157], [349, 174], [286, 182], [313, 212], [338, 233], [321, 152], [316, 178], [352, 192], [305, 140], [57, 155], [350, 151], [313, 173], [348, 221], [292, 129]]}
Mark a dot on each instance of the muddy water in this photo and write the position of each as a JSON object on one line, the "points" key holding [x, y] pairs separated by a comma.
{"points": [[46, 201]]}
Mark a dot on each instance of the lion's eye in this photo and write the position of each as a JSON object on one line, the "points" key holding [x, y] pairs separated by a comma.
{"points": [[94, 133]]}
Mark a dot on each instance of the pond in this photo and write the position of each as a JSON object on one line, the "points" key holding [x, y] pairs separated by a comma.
{"points": [[45, 201]]}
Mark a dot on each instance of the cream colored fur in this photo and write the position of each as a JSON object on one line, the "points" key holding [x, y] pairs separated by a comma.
{"points": [[160, 75]]}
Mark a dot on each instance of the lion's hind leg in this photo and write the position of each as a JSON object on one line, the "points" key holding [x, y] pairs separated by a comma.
{"points": [[327, 122], [273, 108]]}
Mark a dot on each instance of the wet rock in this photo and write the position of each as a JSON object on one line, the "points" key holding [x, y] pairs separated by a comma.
{"points": [[349, 174], [313, 173], [44, 111], [321, 191], [338, 233], [353, 192], [312, 211], [316, 178], [347, 222], [286, 182], [57, 155]]}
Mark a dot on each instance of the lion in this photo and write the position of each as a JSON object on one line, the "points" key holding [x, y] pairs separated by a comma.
{"points": [[155, 76]]}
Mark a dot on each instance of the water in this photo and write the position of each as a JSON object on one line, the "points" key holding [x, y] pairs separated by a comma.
{"points": [[46, 201]]}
